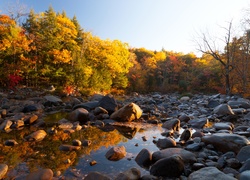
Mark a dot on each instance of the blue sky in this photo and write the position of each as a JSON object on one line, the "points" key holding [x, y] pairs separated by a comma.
{"points": [[153, 24]]}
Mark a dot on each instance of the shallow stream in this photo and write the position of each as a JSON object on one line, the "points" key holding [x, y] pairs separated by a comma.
{"points": [[26, 157]]}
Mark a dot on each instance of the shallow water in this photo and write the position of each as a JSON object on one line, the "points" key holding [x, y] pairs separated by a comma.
{"points": [[113, 168], [30, 156]]}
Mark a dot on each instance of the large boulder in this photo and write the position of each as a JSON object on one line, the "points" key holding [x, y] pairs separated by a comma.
{"points": [[127, 113], [187, 157], [109, 103], [80, 114], [168, 167], [225, 142], [208, 173]]}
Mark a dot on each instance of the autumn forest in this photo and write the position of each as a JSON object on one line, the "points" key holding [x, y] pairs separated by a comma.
{"points": [[50, 48]]}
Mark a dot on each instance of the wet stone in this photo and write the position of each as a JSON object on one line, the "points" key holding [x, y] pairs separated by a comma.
{"points": [[86, 143], [225, 142], [116, 153], [243, 154], [65, 147], [199, 123], [40, 174], [96, 176], [245, 175], [76, 142], [208, 173], [3, 170], [169, 167], [245, 166], [144, 158], [165, 143], [132, 173], [10, 142]]}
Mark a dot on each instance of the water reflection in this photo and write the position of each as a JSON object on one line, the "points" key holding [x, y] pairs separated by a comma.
{"points": [[29, 156], [113, 168]]}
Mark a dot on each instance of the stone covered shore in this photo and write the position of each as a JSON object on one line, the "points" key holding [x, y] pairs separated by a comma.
{"points": [[213, 144]]}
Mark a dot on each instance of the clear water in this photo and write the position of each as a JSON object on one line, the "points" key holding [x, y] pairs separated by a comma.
{"points": [[113, 168], [30, 156]]}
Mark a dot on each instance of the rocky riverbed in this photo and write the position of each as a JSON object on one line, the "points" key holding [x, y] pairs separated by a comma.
{"points": [[194, 137]]}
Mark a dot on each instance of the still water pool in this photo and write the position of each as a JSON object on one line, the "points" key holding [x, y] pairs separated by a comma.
{"points": [[113, 168], [26, 156]]}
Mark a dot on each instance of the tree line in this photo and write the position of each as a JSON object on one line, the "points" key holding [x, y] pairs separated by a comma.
{"points": [[51, 48]]}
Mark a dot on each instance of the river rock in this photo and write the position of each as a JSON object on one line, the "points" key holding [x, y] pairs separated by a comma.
{"points": [[223, 109], [199, 123], [187, 157], [131, 174], [86, 143], [173, 124], [3, 113], [149, 177], [247, 117], [225, 142], [79, 114], [17, 124], [245, 175], [66, 147], [31, 119], [168, 167], [41, 174], [144, 158], [213, 103], [243, 154], [116, 153], [208, 173], [100, 110], [185, 98], [52, 100], [3, 170], [76, 142], [128, 130], [186, 135], [87, 105], [29, 108], [109, 103], [38, 135], [223, 126], [237, 104], [5, 126], [10, 142], [96, 176], [184, 118], [165, 143], [127, 113], [245, 166]]}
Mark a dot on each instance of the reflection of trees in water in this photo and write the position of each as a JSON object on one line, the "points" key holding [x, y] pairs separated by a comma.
{"points": [[46, 154]]}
